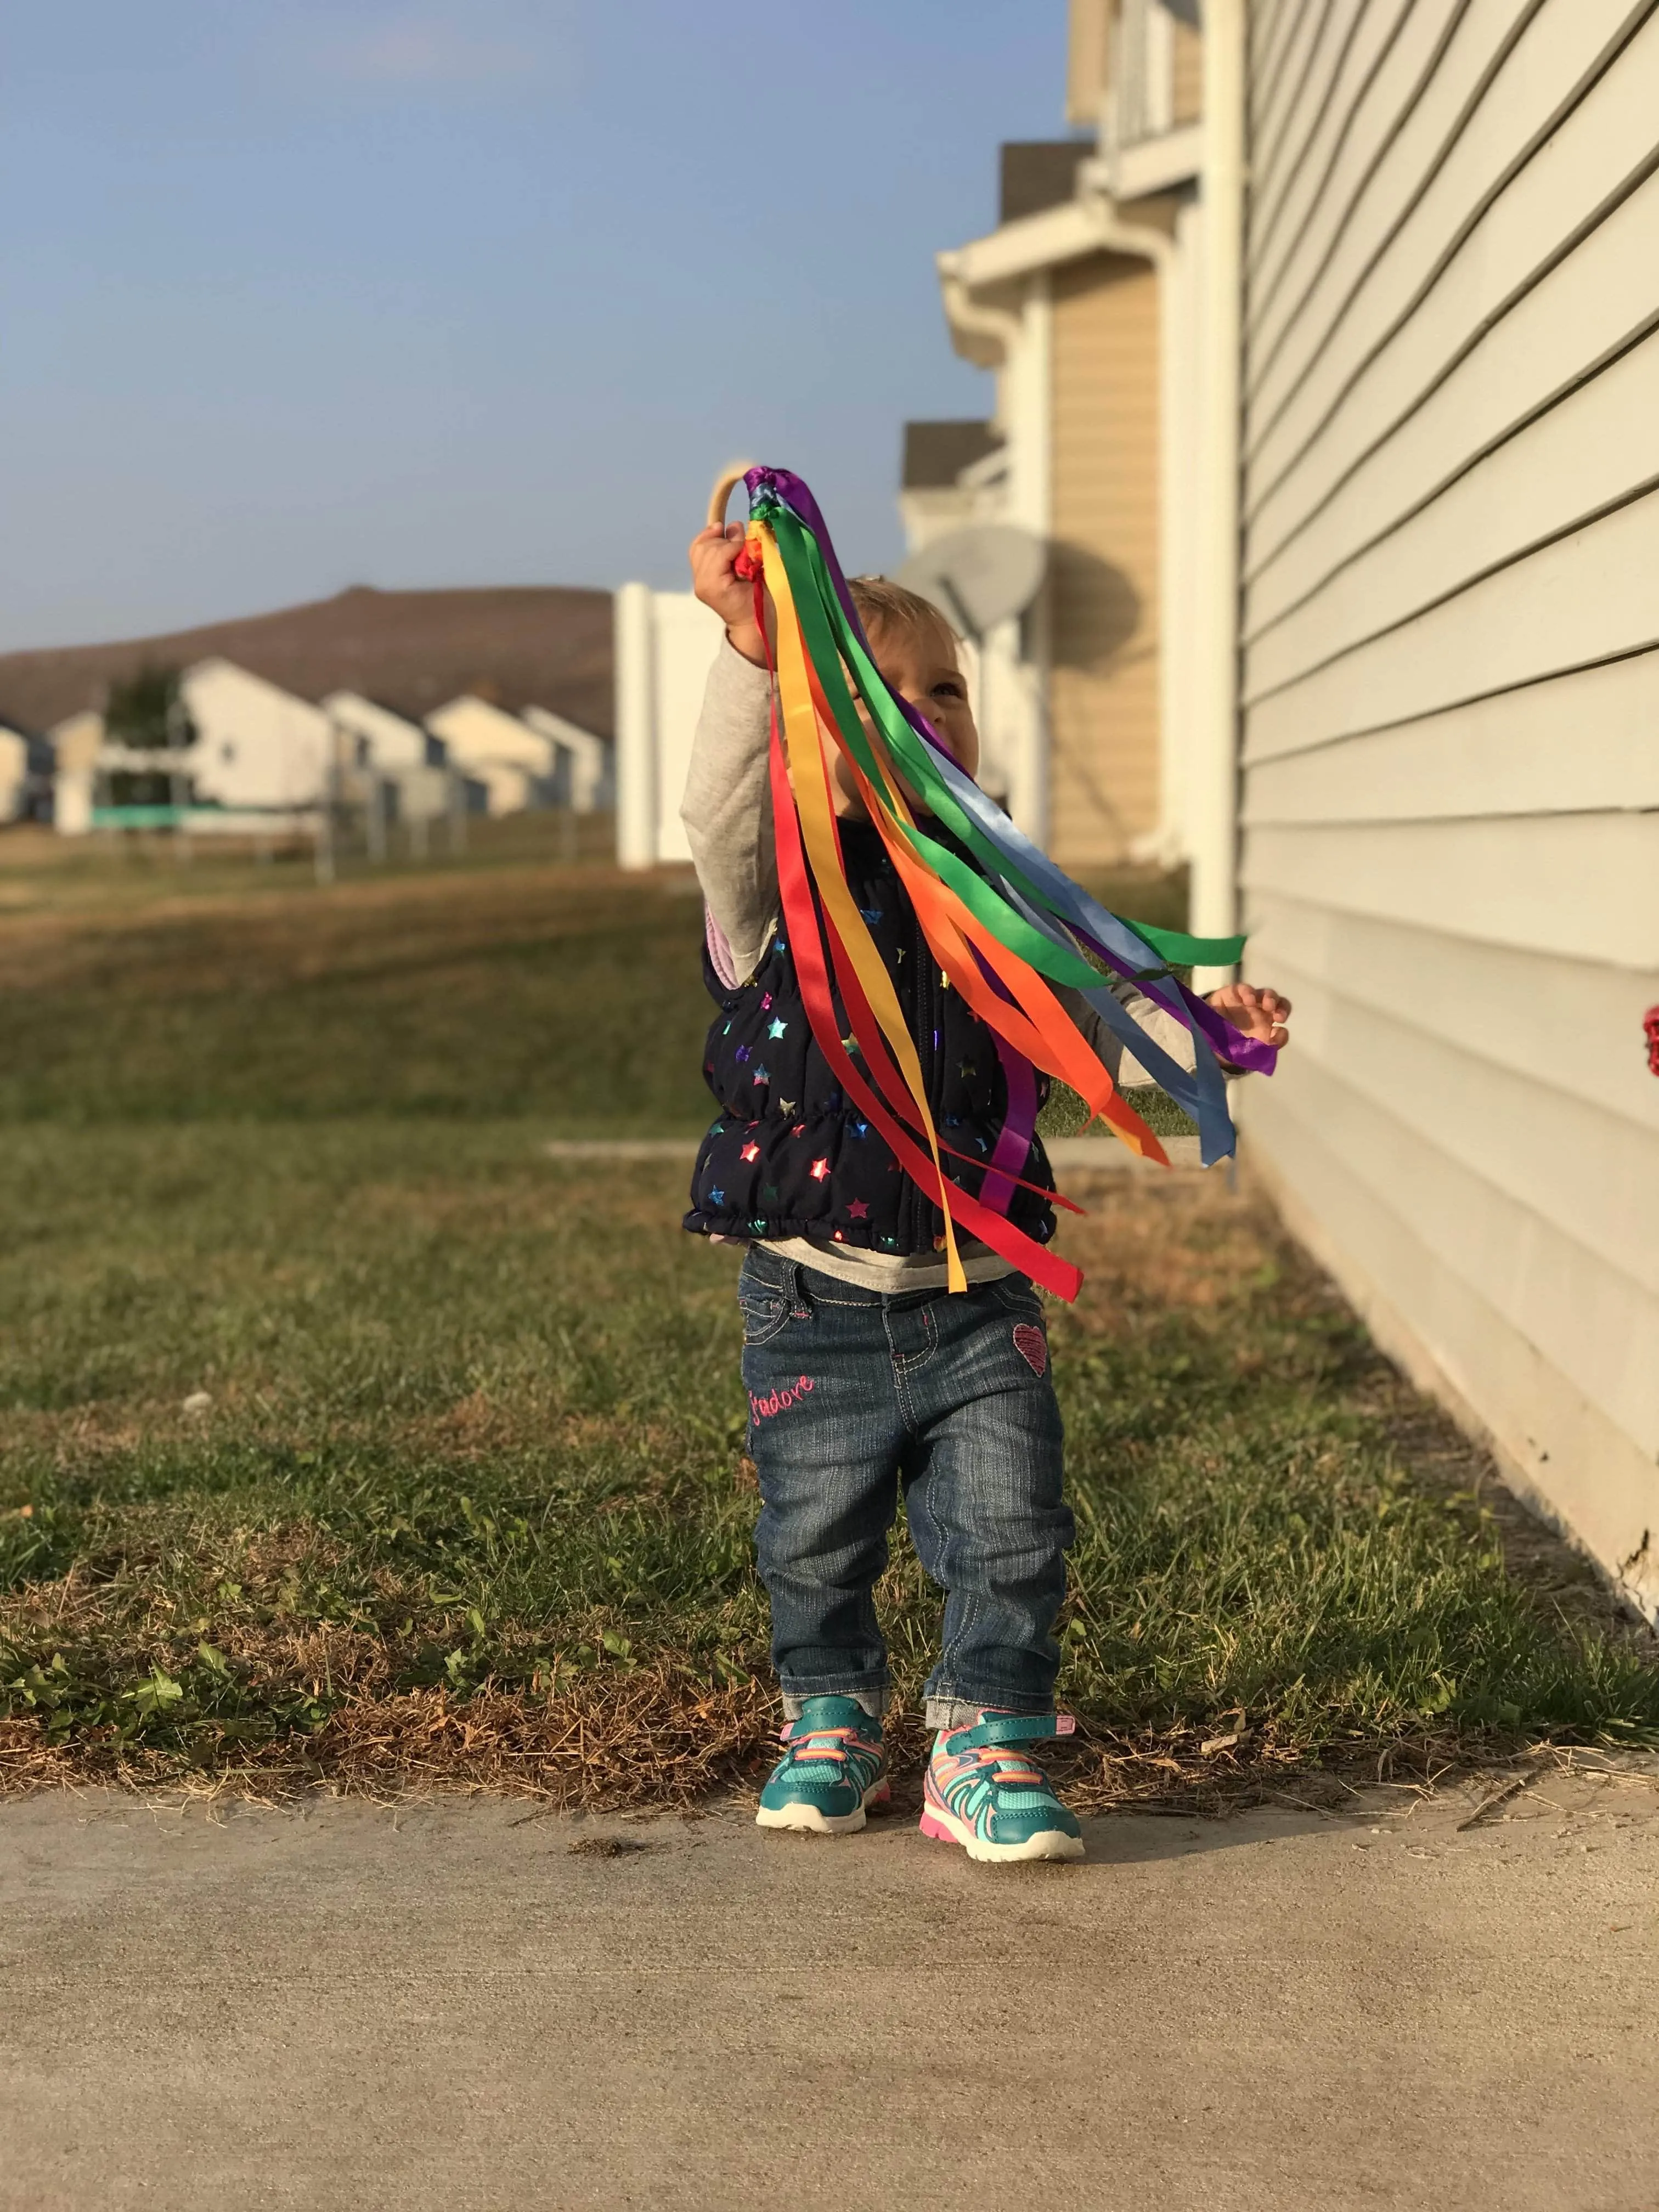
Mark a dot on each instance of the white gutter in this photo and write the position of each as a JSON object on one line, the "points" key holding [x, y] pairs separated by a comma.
{"points": [[1214, 763], [984, 335]]}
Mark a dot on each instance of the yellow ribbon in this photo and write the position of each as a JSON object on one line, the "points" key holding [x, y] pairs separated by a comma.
{"points": [[809, 777]]}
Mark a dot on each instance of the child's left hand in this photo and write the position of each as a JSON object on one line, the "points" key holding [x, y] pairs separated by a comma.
{"points": [[1259, 1013]]}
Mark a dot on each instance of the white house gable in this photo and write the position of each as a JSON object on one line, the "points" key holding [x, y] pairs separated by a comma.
{"points": [[257, 745], [514, 764], [586, 759], [374, 736]]}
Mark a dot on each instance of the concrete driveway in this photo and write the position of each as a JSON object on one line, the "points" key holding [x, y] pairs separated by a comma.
{"points": [[459, 2006]]}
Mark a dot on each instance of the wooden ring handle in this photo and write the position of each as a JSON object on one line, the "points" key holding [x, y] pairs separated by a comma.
{"points": [[730, 479]]}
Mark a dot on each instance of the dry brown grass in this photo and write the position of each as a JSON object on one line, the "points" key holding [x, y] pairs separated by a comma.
{"points": [[663, 1741], [660, 1739]]}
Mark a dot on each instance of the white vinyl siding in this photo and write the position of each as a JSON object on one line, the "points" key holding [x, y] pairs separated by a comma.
{"points": [[1450, 670]]}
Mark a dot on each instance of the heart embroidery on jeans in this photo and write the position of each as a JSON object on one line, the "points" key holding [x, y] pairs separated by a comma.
{"points": [[1032, 1347]]}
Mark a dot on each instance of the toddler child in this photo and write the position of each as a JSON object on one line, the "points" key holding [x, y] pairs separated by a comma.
{"points": [[865, 1377]]}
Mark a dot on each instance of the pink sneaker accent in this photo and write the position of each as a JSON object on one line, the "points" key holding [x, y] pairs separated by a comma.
{"points": [[984, 1793]]}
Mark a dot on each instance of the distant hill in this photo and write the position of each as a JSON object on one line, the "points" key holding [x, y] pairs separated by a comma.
{"points": [[519, 645]]}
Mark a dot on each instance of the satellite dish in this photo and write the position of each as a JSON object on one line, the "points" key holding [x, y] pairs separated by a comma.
{"points": [[981, 575]]}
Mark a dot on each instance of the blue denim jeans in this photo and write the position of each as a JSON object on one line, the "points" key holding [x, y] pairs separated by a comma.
{"points": [[854, 1396]]}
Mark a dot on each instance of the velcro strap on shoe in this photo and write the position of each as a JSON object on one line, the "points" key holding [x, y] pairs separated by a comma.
{"points": [[821, 1743], [1010, 1728]]}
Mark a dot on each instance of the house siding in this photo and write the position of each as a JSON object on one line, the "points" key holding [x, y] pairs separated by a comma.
{"points": [[1186, 63], [1102, 610], [1450, 785], [1088, 44]]}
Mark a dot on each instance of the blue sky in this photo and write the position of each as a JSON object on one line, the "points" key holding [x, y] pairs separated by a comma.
{"points": [[297, 294]]}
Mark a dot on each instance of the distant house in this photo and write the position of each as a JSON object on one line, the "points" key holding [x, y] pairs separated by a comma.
{"points": [[258, 748], [76, 744], [15, 758], [259, 752], [586, 774], [373, 735], [392, 766], [409, 651], [512, 765]]}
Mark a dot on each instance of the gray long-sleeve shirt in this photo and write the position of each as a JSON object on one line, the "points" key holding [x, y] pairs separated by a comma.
{"points": [[727, 815]]}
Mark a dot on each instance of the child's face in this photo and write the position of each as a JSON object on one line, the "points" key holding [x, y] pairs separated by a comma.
{"points": [[920, 665]]}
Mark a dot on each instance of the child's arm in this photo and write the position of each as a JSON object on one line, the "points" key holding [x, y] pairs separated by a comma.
{"points": [[1108, 1047], [727, 808], [1258, 1012]]}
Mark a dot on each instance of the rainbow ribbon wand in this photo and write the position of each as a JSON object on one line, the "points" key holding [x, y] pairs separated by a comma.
{"points": [[1003, 923]]}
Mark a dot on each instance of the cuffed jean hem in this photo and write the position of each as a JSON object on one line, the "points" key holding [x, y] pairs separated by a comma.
{"points": [[871, 1696], [948, 1713]]}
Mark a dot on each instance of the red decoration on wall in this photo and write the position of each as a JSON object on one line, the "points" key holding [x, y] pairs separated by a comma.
{"points": [[1650, 1030]]}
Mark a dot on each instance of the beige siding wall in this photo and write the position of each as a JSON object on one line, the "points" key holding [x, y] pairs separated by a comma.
{"points": [[1186, 99], [1103, 591], [1450, 786], [1088, 46]]}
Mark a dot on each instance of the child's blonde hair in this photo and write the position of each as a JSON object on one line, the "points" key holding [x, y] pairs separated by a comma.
{"points": [[885, 605]]}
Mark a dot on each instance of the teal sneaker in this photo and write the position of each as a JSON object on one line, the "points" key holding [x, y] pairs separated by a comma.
{"points": [[834, 1768], [998, 1804]]}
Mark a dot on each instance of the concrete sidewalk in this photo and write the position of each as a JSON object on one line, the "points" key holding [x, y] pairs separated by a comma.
{"points": [[461, 2006]]}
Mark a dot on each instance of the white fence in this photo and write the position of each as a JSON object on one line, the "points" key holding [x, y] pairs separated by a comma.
{"points": [[666, 644]]}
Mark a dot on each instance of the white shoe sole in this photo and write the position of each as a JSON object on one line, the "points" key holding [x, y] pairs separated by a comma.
{"points": [[806, 1820], [1047, 1844]]}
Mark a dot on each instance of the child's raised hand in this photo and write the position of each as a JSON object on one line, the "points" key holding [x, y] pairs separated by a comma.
{"points": [[715, 581], [1259, 1013]]}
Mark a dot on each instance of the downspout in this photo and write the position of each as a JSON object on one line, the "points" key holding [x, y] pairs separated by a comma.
{"points": [[1215, 727], [999, 327], [636, 727], [1035, 507], [1016, 341]]}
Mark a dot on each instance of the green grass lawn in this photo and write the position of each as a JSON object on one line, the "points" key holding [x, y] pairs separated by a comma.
{"points": [[345, 1434]]}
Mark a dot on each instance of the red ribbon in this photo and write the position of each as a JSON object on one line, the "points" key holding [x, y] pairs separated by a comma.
{"points": [[801, 920]]}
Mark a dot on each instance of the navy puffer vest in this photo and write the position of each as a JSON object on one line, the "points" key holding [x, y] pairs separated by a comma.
{"points": [[789, 1156]]}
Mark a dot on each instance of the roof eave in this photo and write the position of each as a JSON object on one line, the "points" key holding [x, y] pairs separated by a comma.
{"points": [[983, 281]]}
